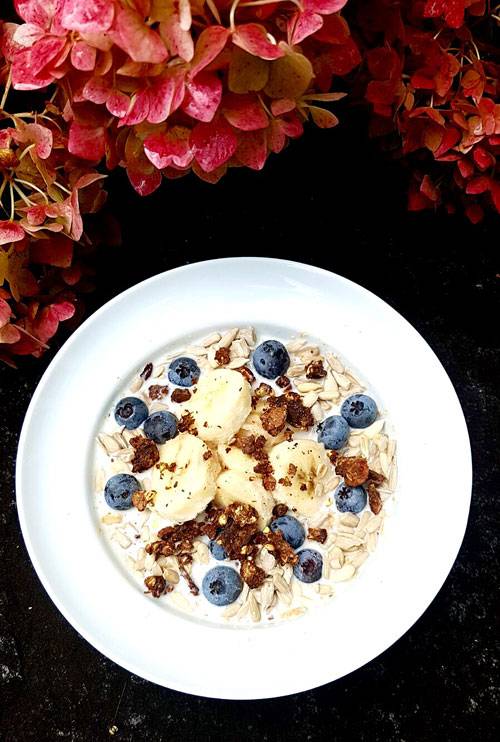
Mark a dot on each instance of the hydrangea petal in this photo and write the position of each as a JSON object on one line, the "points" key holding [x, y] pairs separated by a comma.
{"points": [[245, 112], [87, 141], [254, 39], [141, 42], [10, 232], [203, 96], [211, 42], [87, 16], [83, 56], [169, 148], [56, 251], [214, 144]]}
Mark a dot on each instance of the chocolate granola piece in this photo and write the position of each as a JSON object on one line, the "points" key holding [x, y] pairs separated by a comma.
{"points": [[183, 560], [141, 499], [207, 455], [292, 469], [180, 395], [354, 470], [234, 537], [242, 514], [273, 419], [250, 444], [276, 544], [374, 499], [280, 510], [156, 585], [146, 453], [250, 573], [146, 371], [375, 477], [246, 373], [157, 391], [222, 356], [283, 382], [317, 534], [298, 415], [315, 370], [269, 482], [176, 539], [285, 482], [211, 526], [187, 424], [333, 456]]}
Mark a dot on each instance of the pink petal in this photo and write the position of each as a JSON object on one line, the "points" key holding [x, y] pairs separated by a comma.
{"points": [[325, 7], [35, 215], [203, 95], [302, 25], [86, 180], [9, 334], [140, 42], [179, 42], [39, 12], [210, 43], [166, 95], [214, 144], [42, 138], [87, 141], [5, 312], [118, 104], [44, 52], [253, 38], [276, 138], [97, 90], [10, 232], [322, 118], [170, 148], [87, 16], [138, 110], [144, 183], [245, 112], [27, 34], [83, 56], [23, 77], [57, 251], [282, 105], [63, 310], [252, 149]]}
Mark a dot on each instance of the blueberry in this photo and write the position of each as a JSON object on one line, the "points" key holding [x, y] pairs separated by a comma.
{"points": [[183, 371], [359, 410], [350, 499], [130, 412], [221, 585], [218, 552], [119, 490], [309, 567], [333, 432], [160, 426], [291, 529], [271, 359]]}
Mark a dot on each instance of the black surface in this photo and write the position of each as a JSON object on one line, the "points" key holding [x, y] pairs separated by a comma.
{"points": [[329, 200]]}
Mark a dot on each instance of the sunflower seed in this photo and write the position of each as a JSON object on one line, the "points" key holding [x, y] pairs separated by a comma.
{"points": [[384, 464], [344, 573], [349, 519], [125, 455], [156, 570], [381, 442], [266, 594], [180, 602], [111, 519], [391, 448], [247, 334], [371, 542], [195, 350], [309, 399], [121, 539], [214, 337], [283, 590], [331, 482], [239, 349], [334, 363], [227, 338], [328, 396], [294, 612], [237, 362], [309, 386], [347, 542], [231, 610], [265, 560], [139, 564], [393, 476], [326, 590], [211, 358], [295, 371], [254, 608], [343, 382], [202, 552], [317, 412], [99, 480], [108, 443], [336, 557], [358, 558], [364, 446], [345, 530], [120, 440], [158, 371], [243, 610], [295, 345], [171, 576], [120, 467]]}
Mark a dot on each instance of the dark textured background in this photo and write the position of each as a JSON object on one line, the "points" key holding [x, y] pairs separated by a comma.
{"points": [[329, 200]]}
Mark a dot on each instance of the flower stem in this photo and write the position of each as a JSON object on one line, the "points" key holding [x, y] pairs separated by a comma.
{"points": [[23, 195], [6, 90], [35, 188], [12, 202], [214, 11]]}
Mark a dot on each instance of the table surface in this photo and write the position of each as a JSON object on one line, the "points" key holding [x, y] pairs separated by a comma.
{"points": [[330, 200]]}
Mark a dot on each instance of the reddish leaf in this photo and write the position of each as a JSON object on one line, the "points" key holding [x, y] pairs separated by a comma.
{"points": [[245, 112], [475, 213], [451, 10], [334, 30], [138, 109], [214, 144], [9, 334], [72, 275], [203, 96], [23, 77], [211, 42], [83, 56], [323, 118], [87, 141], [276, 138], [140, 42], [481, 184], [170, 148], [97, 90], [87, 16], [166, 95], [144, 183], [283, 105], [253, 38], [252, 149], [483, 158], [178, 40], [57, 251], [10, 232], [35, 215], [466, 167], [325, 7], [118, 103], [302, 25], [45, 52]]}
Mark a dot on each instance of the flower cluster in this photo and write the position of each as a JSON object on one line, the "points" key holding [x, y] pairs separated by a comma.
{"points": [[433, 77], [43, 192], [163, 87]]}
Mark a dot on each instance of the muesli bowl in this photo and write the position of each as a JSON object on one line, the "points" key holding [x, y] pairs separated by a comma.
{"points": [[103, 597]]}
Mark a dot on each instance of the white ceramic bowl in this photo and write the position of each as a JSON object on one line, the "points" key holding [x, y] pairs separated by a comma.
{"points": [[97, 596]]}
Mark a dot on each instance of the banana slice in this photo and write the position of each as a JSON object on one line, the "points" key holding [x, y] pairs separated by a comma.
{"points": [[303, 465], [239, 483], [221, 404], [185, 478], [253, 426]]}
